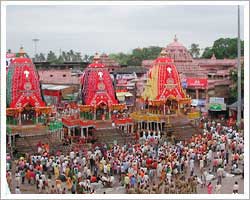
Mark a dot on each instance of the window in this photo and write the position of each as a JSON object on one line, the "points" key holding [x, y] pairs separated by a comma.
{"points": [[51, 75], [64, 75]]}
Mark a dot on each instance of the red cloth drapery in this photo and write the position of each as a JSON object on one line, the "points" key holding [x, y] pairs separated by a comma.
{"points": [[25, 84]]}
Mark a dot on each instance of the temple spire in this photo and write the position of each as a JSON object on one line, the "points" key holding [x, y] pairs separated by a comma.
{"points": [[163, 53], [21, 51], [96, 57], [175, 38]]}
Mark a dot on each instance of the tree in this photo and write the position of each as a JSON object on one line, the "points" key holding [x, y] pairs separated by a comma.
{"points": [[60, 60], [72, 55], [78, 57], [42, 57], [208, 52], [121, 58], [37, 58], [51, 57], [64, 55], [223, 48], [86, 58], [137, 56], [68, 56], [194, 50], [234, 87]]}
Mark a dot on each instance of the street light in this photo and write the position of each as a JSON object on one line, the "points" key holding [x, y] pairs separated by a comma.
{"points": [[239, 72], [35, 40]]}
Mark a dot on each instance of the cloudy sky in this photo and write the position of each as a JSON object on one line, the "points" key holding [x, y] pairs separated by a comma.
{"points": [[112, 29]]}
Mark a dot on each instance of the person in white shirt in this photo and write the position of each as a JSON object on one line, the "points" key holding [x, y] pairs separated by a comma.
{"points": [[72, 155], [18, 179], [40, 185], [236, 188], [17, 190]]}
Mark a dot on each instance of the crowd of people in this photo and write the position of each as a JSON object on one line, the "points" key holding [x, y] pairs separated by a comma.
{"points": [[150, 167]]}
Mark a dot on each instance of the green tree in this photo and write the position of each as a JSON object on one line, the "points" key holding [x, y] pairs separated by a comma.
{"points": [[60, 60], [42, 57], [78, 57], [72, 55], [137, 56], [234, 86], [64, 55], [51, 57], [68, 56], [86, 58], [223, 48], [121, 58], [194, 50], [37, 58]]}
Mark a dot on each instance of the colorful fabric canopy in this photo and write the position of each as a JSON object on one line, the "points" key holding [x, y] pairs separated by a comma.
{"points": [[23, 86], [97, 86], [163, 81]]}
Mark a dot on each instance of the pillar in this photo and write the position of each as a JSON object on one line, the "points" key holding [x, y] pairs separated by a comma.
{"points": [[197, 93], [81, 131], [20, 118], [14, 140], [109, 114], [94, 114], [10, 140], [36, 117], [164, 109], [69, 133], [87, 131], [206, 91]]}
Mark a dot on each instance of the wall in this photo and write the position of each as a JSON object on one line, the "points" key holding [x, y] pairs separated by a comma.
{"points": [[63, 77]]}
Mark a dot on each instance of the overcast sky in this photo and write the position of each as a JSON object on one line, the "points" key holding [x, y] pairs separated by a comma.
{"points": [[112, 29]]}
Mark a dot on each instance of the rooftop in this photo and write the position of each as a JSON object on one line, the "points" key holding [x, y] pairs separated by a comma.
{"points": [[131, 69]]}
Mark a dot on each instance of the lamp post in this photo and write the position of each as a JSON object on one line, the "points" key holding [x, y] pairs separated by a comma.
{"points": [[35, 40], [239, 72]]}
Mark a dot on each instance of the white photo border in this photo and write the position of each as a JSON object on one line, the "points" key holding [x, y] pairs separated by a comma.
{"points": [[6, 195]]}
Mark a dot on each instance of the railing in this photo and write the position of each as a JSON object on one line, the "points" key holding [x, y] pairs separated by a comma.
{"points": [[11, 121], [56, 125], [86, 115]]}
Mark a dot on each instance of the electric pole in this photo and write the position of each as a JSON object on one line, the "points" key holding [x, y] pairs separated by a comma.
{"points": [[239, 72]]}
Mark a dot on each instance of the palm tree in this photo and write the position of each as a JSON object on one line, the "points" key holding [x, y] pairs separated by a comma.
{"points": [[68, 56], [78, 56], [71, 53], [64, 55], [86, 58], [42, 57]]}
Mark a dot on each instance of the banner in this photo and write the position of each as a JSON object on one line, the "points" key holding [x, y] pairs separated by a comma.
{"points": [[216, 100], [198, 102], [196, 82], [217, 107]]}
